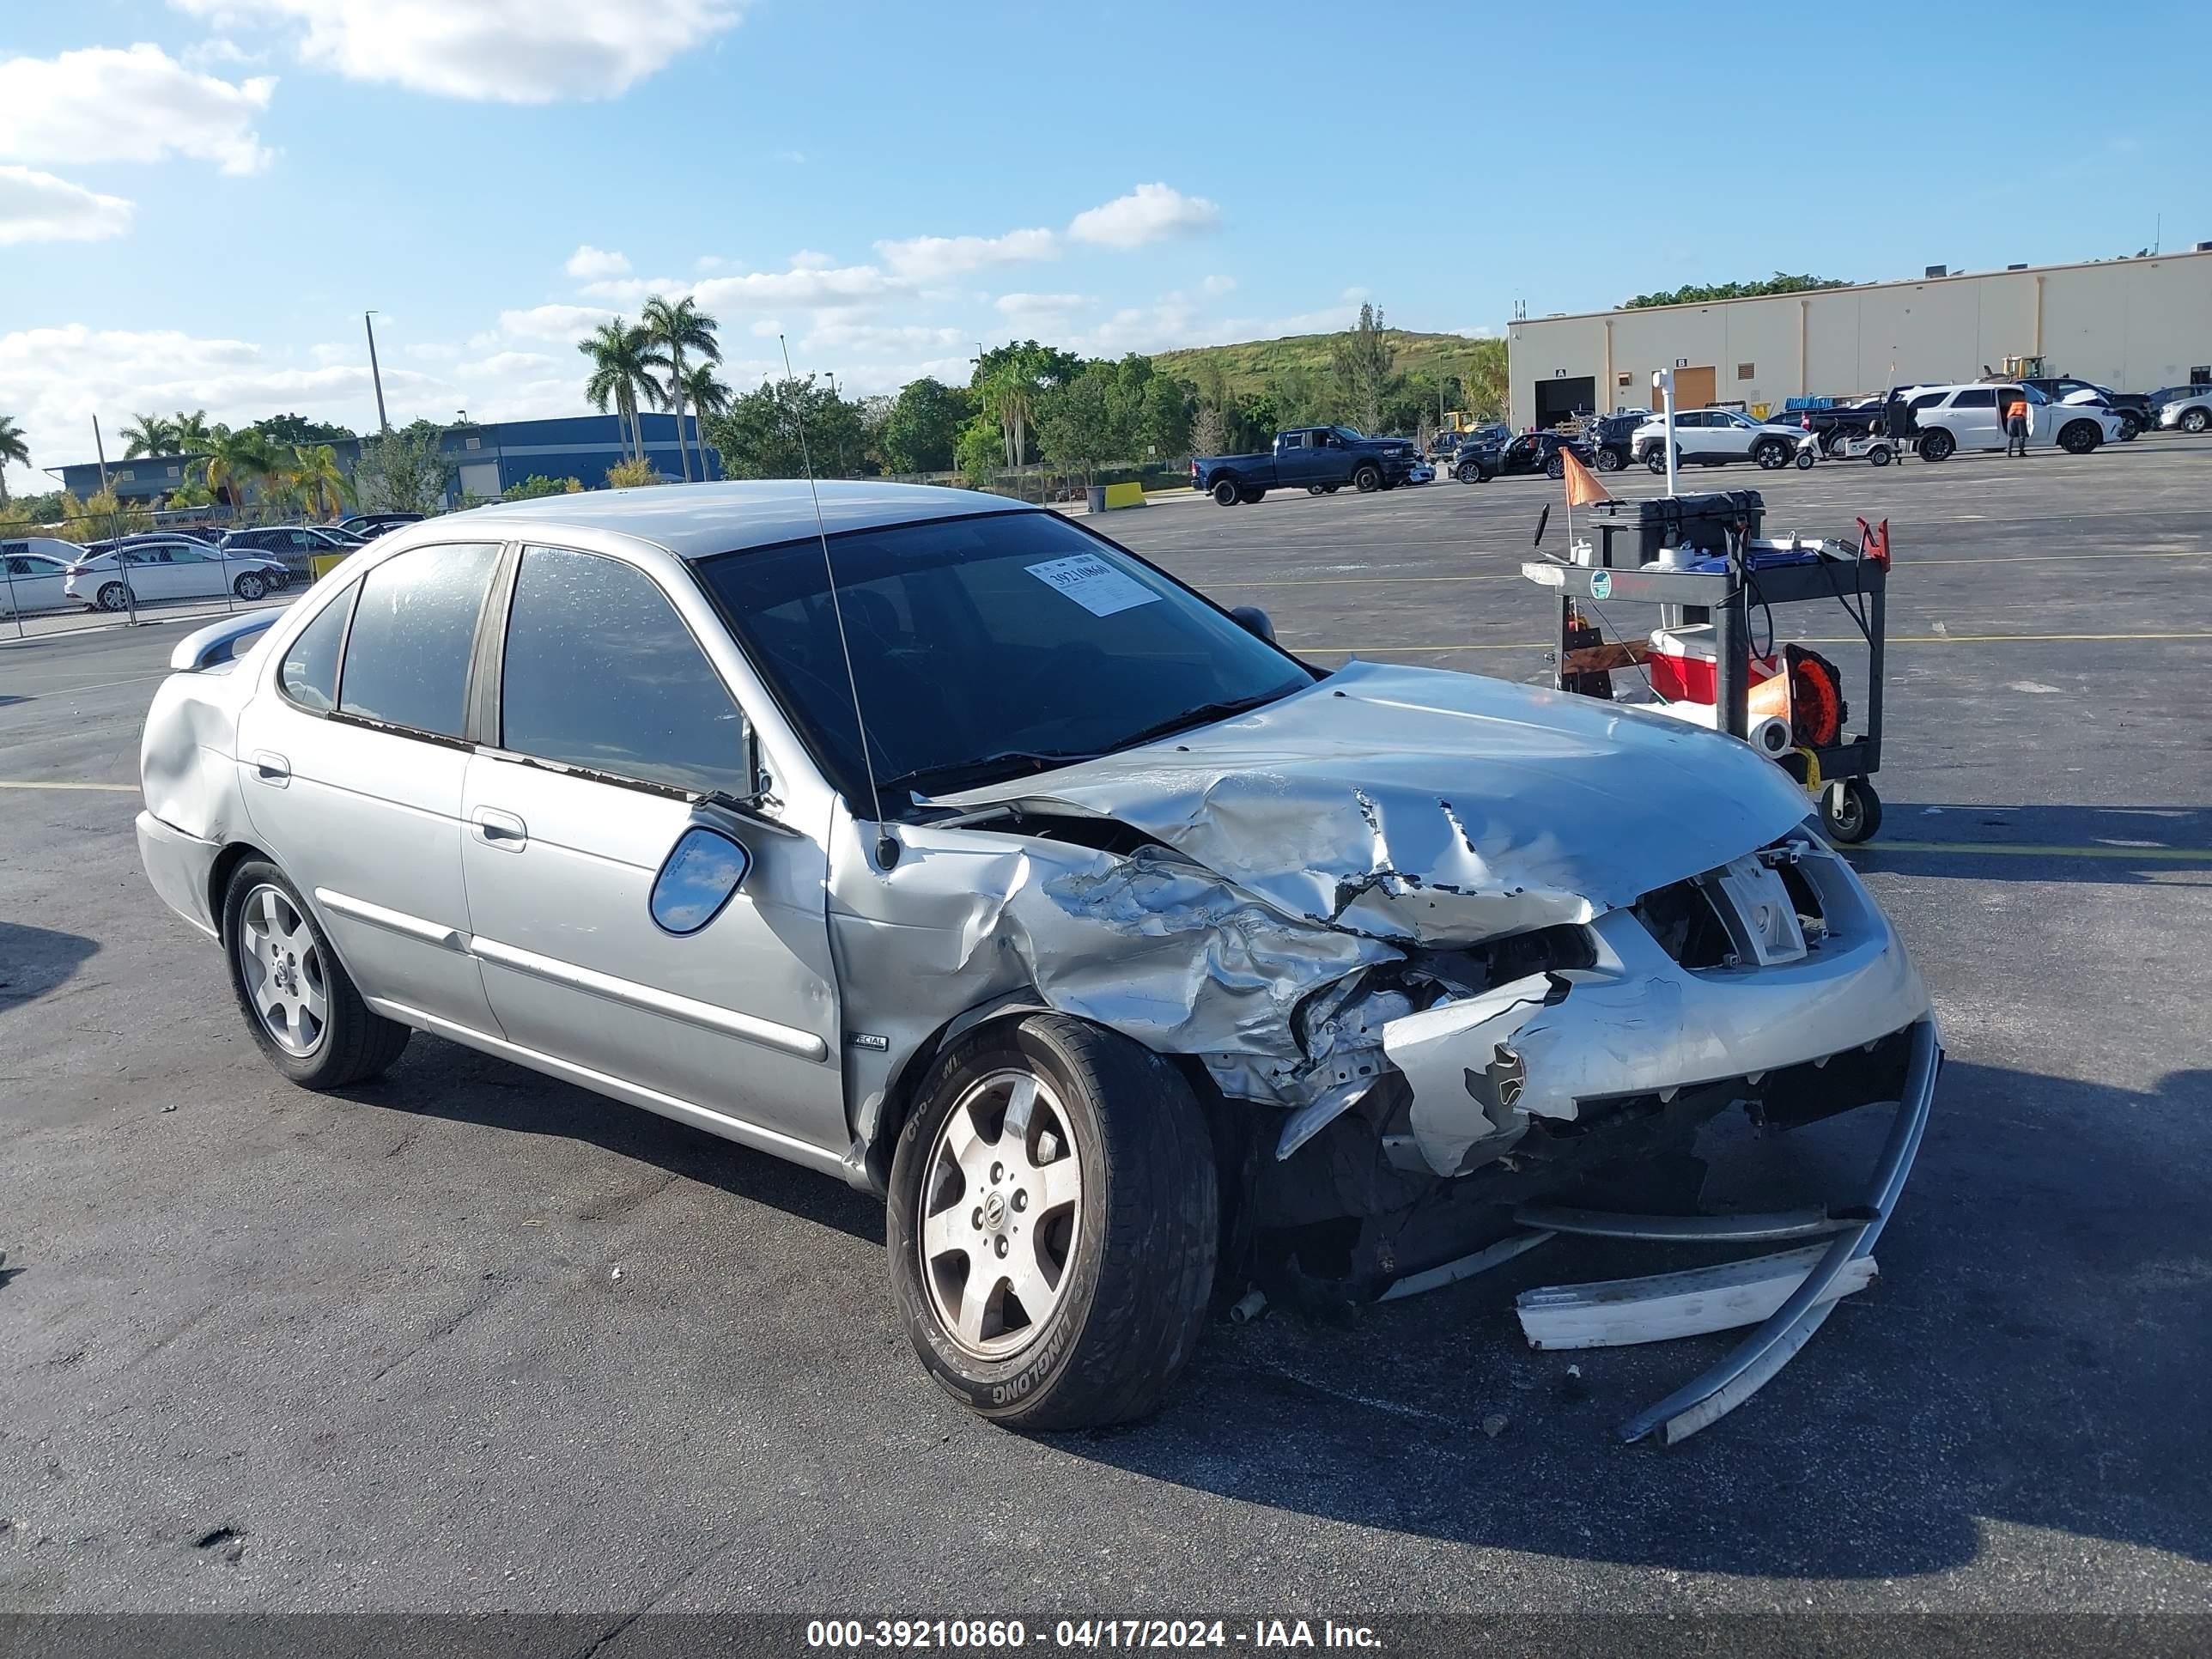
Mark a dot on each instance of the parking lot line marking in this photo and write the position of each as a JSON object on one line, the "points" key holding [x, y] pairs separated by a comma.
{"points": [[44, 783], [2022, 849]]}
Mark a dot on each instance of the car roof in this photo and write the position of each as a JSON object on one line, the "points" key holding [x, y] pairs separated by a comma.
{"points": [[694, 521]]}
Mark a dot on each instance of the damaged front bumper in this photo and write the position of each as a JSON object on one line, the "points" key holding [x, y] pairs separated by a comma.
{"points": [[1564, 1045]]}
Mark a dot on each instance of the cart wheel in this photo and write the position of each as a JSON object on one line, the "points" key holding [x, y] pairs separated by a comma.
{"points": [[1804, 456], [1850, 811], [1878, 456]]}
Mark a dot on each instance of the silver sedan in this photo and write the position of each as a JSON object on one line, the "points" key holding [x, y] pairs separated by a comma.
{"points": [[1002, 875]]}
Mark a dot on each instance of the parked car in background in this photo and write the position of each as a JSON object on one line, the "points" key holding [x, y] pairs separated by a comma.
{"points": [[1101, 937], [2132, 407], [299, 540], [1611, 438], [369, 526], [176, 569], [1420, 473], [149, 538], [1949, 418], [1719, 437], [36, 572], [1530, 453], [1319, 458], [2183, 407]]}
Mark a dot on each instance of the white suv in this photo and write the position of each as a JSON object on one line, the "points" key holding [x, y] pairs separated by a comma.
{"points": [[1714, 437], [1949, 418]]}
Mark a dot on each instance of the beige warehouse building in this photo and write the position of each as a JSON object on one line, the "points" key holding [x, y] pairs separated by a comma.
{"points": [[2134, 325]]}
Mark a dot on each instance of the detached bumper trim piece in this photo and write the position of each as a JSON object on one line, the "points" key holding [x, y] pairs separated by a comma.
{"points": [[1682, 1228], [1712, 1396]]}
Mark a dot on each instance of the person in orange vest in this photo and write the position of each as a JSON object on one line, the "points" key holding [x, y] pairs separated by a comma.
{"points": [[2015, 414]]}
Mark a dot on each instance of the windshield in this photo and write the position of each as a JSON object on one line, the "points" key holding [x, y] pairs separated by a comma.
{"points": [[985, 649]]}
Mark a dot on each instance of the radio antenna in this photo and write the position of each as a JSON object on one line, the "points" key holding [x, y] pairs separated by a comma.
{"points": [[887, 849]]}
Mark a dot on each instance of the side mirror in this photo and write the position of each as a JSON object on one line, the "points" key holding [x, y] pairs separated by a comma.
{"points": [[1254, 621], [701, 875]]}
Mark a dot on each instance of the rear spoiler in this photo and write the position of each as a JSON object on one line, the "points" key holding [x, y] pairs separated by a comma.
{"points": [[219, 643]]}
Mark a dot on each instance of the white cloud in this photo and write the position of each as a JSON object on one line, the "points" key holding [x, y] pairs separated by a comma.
{"points": [[103, 104], [431, 351], [923, 258], [841, 286], [1147, 214], [558, 323], [836, 334], [808, 260], [1040, 305], [216, 50], [516, 51], [1217, 285], [503, 363], [588, 262], [37, 207]]}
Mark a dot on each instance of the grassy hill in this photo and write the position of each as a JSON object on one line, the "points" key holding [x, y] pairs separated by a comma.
{"points": [[1249, 364]]}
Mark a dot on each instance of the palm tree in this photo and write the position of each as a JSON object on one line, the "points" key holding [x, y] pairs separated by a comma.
{"points": [[152, 435], [190, 432], [322, 484], [1010, 395], [706, 395], [624, 359], [676, 327], [12, 448], [233, 459]]}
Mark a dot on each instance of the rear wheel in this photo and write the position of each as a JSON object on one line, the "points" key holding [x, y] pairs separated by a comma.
{"points": [[1368, 479], [303, 1010], [251, 586], [2079, 437], [2196, 420], [1315, 489], [1878, 456], [112, 597], [2131, 426], [1225, 493], [1555, 468], [1937, 446], [1053, 1225], [1608, 460]]}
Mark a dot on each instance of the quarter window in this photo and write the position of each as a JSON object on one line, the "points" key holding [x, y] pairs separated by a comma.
{"points": [[415, 624], [309, 674], [601, 672], [1981, 396]]}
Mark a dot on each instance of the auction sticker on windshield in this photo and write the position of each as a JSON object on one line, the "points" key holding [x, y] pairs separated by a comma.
{"points": [[1093, 584]]}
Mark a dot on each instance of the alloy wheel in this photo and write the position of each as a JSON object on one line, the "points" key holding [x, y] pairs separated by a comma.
{"points": [[1001, 1213], [283, 963]]}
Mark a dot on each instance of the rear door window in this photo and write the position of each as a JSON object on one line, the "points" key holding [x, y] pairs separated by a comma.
{"points": [[600, 672], [414, 629]]}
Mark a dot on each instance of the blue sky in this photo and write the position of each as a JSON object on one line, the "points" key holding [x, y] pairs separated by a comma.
{"points": [[199, 197]]}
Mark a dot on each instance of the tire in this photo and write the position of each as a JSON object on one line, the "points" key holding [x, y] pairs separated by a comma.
{"points": [[1315, 489], [1225, 493], [1609, 460], [1937, 446], [1806, 457], [112, 597], [1656, 460], [1134, 1223], [251, 586], [2131, 426], [1772, 454], [1368, 479], [1469, 472], [2079, 437], [345, 1043], [1878, 456], [2196, 420], [1850, 811], [1555, 468]]}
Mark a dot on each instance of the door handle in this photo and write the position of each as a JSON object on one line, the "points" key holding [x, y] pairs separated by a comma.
{"points": [[271, 768], [501, 829]]}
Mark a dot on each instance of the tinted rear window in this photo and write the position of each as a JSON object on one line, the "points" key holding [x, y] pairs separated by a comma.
{"points": [[414, 623]]}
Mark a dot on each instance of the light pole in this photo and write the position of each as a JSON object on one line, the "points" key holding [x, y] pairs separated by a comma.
{"points": [[383, 424]]}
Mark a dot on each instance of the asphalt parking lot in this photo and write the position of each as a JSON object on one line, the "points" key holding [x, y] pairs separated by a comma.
{"points": [[473, 1341]]}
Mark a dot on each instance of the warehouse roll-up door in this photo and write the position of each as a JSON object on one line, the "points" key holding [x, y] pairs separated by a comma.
{"points": [[480, 478], [1558, 400], [1694, 387]]}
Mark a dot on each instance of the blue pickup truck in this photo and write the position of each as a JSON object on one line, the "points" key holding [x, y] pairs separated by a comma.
{"points": [[1319, 458]]}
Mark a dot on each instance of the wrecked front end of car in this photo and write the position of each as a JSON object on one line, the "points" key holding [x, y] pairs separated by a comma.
{"points": [[1435, 948]]}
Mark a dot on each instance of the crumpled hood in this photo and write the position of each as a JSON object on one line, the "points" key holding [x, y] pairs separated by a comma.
{"points": [[1412, 804]]}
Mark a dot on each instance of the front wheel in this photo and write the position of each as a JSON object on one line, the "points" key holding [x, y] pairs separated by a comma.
{"points": [[1468, 473], [1608, 460], [1555, 468], [251, 586], [1315, 489], [1805, 457], [1225, 493], [2079, 437], [1772, 454], [2196, 420], [1850, 811], [299, 1002], [2130, 427], [1368, 479], [1937, 446], [1656, 459], [1053, 1225]]}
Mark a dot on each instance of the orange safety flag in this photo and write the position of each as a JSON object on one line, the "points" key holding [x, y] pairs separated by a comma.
{"points": [[1582, 488]]}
